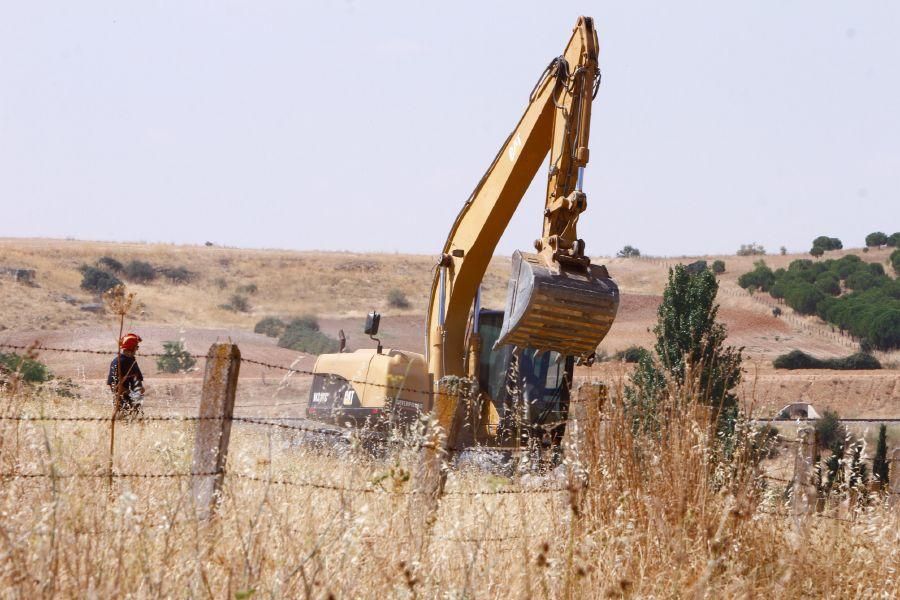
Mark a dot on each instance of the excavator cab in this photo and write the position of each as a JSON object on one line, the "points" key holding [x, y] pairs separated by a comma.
{"points": [[525, 393]]}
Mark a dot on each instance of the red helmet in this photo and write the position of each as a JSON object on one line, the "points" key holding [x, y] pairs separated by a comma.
{"points": [[130, 341]]}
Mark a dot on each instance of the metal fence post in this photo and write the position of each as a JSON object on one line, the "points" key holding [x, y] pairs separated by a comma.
{"points": [[803, 501], [220, 379]]}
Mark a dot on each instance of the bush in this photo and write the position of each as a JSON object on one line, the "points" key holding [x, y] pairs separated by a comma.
{"points": [[798, 359], [829, 430], [139, 271], [29, 369], [628, 252], [397, 299], [895, 261], [632, 354], [175, 359], [237, 303], [111, 264], [751, 249], [270, 326], [303, 334], [97, 280], [876, 238], [177, 274], [718, 266], [760, 278], [695, 267], [250, 288], [827, 243]]}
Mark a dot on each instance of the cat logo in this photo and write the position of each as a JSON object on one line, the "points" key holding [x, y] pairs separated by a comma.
{"points": [[514, 148]]}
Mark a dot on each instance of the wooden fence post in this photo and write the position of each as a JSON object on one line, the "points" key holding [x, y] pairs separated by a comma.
{"points": [[223, 362], [804, 494], [894, 475]]}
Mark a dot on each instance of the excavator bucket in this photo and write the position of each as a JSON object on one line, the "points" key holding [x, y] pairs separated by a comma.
{"points": [[569, 311]]}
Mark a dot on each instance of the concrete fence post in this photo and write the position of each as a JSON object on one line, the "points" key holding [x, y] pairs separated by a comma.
{"points": [[583, 439], [223, 362], [803, 501], [894, 475]]}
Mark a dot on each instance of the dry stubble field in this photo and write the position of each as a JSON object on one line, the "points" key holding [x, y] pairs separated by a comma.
{"points": [[304, 519]]}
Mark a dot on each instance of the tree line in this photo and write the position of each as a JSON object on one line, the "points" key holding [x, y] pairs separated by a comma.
{"points": [[856, 296]]}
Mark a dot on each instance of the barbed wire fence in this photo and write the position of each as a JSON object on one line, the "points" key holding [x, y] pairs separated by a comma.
{"points": [[216, 416]]}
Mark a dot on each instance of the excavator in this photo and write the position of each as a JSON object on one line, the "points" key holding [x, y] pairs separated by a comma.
{"points": [[494, 377]]}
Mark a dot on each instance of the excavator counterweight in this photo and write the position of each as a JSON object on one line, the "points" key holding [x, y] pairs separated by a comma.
{"points": [[568, 309]]}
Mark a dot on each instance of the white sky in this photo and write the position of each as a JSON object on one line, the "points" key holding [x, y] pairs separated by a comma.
{"points": [[361, 125]]}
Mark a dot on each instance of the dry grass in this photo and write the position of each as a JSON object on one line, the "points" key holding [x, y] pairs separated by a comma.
{"points": [[654, 520]]}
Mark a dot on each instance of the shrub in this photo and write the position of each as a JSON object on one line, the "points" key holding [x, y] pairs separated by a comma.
{"points": [[29, 369], [695, 267], [760, 278], [895, 261], [111, 264], [303, 334], [827, 243], [175, 359], [270, 326], [220, 283], [628, 252], [876, 238], [237, 303], [880, 464], [139, 271], [751, 249], [97, 280], [177, 274], [829, 430], [250, 288], [797, 359], [397, 299], [632, 354], [718, 266]]}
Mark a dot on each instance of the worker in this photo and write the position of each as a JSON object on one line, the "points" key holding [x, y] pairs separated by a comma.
{"points": [[125, 379]]}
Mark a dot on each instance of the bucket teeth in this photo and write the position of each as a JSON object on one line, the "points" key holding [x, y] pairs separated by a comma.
{"points": [[569, 312]]}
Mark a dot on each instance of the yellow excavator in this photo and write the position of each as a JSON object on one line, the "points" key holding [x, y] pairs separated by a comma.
{"points": [[559, 305]]}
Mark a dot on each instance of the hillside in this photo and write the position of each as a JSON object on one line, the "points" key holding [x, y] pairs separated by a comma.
{"points": [[339, 288]]}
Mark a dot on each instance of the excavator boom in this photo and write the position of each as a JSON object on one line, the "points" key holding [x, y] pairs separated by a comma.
{"points": [[557, 299]]}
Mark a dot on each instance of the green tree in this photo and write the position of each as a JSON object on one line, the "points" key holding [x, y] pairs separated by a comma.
{"points": [[830, 432], [175, 359], [628, 252], [827, 243], [894, 240], [689, 340], [876, 238], [817, 251], [880, 465], [895, 261]]}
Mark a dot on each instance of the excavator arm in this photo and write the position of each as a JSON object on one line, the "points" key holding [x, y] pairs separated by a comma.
{"points": [[557, 300]]}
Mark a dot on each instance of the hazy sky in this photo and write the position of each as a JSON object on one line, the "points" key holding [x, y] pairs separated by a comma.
{"points": [[365, 125]]}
